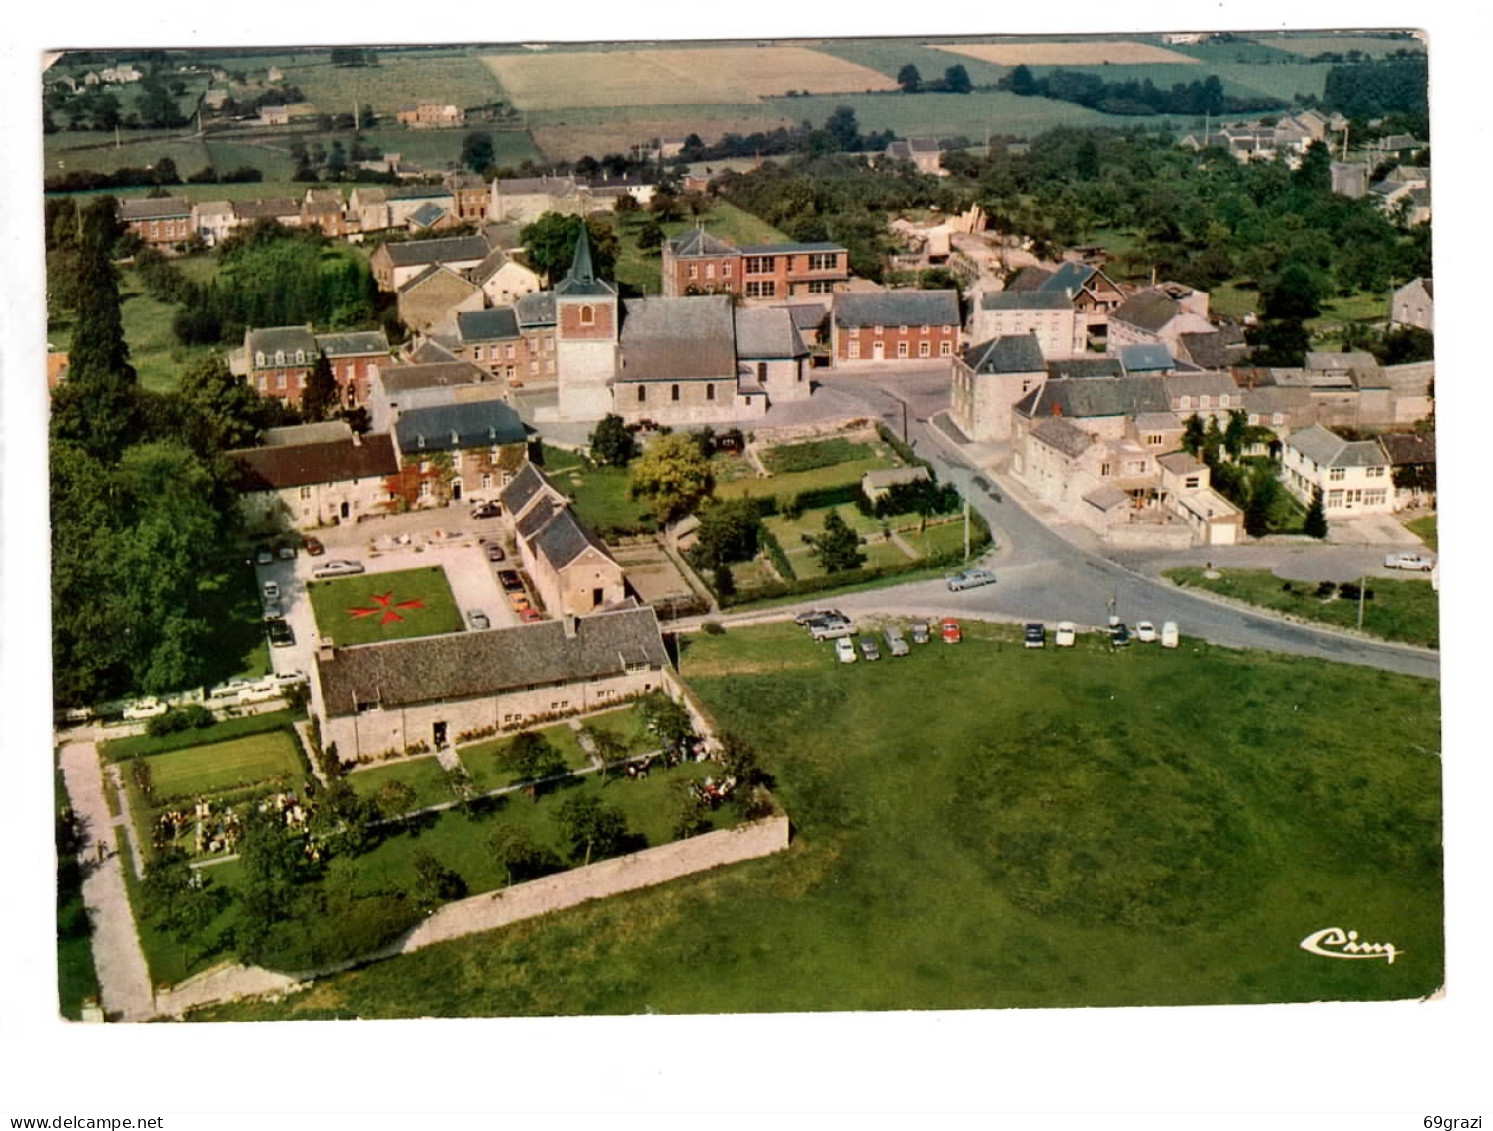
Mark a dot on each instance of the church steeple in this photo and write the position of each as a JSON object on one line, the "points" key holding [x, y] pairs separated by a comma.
{"points": [[581, 278]]}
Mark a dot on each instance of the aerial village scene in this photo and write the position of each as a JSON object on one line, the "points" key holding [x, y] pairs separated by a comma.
{"points": [[767, 526]]}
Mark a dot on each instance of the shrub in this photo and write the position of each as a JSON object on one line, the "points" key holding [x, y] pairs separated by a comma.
{"points": [[1325, 589], [713, 628], [191, 717]]}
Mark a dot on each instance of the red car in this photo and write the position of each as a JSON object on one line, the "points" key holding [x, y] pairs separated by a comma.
{"points": [[950, 630], [529, 616], [314, 547]]}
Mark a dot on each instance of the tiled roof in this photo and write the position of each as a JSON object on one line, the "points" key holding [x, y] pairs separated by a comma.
{"points": [[1157, 422], [529, 186], [1013, 353], [1063, 435], [497, 324], [1148, 310], [403, 378], [1409, 447], [353, 344], [468, 665], [1085, 367], [412, 253], [301, 465], [678, 339], [1025, 300], [294, 435], [1106, 497], [457, 427], [154, 208], [1213, 351], [807, 315], [1081, 398], [272, 208], [898, 308], [763, 332], [698, 242]]}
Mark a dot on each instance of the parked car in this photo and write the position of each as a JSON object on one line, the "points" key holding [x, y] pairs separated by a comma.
{"points": [[510, 581], [950, 631], [314, 547], [273, 608], [529, 616], [487, 510], [969, 579], [494, 551], [831, 629], [519, 601], [338, 567], [920, 633], [1145, 632], [145, 709], [271, 591], [1035, 636], [477, 619], [896, 643], [1119, 636], [845, 650], [1170, 638], [280, 632], [1066, 635], [289, 679], [285, 551], [263, 555], [1417, 562], [805, 619], [868, 648]]}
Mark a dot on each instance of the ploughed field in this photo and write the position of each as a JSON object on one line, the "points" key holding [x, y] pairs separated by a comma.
{"points": [[983, 825]]}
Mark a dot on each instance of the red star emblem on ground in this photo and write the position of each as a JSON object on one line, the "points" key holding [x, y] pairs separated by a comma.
{"points": [[384, 603]]}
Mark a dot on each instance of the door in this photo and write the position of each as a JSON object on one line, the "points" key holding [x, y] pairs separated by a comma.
{"points": [[346, 510], [878, 350], [456, 490], [438, 735]]}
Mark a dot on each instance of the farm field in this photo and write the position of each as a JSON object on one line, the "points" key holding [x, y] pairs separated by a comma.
{"points": [[690, 74], [385, 606], [890, 55], [1077, 53], [954, 115], [1239, 79], [1376, 45], [955, 849], [400, 79]]}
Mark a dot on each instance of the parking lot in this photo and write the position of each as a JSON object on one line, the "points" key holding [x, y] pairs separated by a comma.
{"points": [[446, 537]]}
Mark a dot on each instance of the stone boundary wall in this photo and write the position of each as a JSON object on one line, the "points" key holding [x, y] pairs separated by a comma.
{"points": [[838, 427], [1141, 536], [597, 881]]}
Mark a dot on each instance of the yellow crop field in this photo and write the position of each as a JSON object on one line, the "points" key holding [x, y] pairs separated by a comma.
{"points": [[675, 76], [1088, 53]]}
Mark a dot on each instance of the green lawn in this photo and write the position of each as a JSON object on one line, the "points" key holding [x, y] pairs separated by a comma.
{"points": [[119, 749], [237, 763], [599, 494], [1424, 528], [640, 269], [964, 838], [1405, 611], [424, 775], [784, 487], [399, 605], [481, 760]]}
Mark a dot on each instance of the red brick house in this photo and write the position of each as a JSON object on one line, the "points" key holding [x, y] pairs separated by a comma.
{"points": [[278, 360], [355, 359], [699, 263], [907, 326], [161, 221]]}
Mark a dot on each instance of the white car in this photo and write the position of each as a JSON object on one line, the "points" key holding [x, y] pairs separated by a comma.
{"points": [[1067, 634], [1145, 632], [1169, 635], [845, 650], [1417, 562], [338, 568], [145, 709], [970, 579]]}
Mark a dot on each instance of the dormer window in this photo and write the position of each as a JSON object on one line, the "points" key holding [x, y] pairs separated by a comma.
{"points": [[300, 357], [259, 358], [279, 357]]}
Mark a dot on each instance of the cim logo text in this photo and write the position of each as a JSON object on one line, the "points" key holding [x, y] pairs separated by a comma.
{"points": [[1334, 942]]}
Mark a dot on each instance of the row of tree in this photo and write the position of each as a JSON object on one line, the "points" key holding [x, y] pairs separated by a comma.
{"points": [[1133, 98]]}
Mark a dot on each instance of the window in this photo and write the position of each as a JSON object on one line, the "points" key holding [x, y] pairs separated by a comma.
{"points": [[725, 270], [425, 489], [1193, 482], [1105, 470], [509, 353], [761, 372], [1336, 474], [710, 391], [821, 287], [761, 290], [758, 265], [280, 381], [1153, 439], [588, 315], [492, 353], [1184, 402], [1277, 418], [1375, 498], [642, 393], [901, 349], [1374, 472], [694, 271], [673, 392], [1205, 401], [903, 329], [853, 350], [823, 261], [1334, 498], [925, 349], [710, 270], [880, 330], [259, 359], [486, 480], [305, 492], [300, 357], [945, 349]]}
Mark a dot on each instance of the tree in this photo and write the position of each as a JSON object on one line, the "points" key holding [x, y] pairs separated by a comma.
{"points": [[672, 476], [650, 235], [531, 756], [1235, 434], [269, 863], [956, 80], [434, 882], [550, 243], [518, 854], [667, 721], [838, 548], [611, 444], [395, 799], [1294, 293], [178, 898], [1264, 489], [591, 828], [729, 532], [477, 151], [1020, 80], [842, 126], [608, 746], [1315, 524], [909, 80], [321, 397]]}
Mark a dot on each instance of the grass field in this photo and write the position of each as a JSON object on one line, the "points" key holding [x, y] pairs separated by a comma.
{"points": [[641, 270], [401, 79], [952, 115], [385, 606], [958, 848], [1375, 45], [481, 760], [732, 74], [424, 775], [118, 749], [1424, 528], [889, 56], [1077, 53], [205, 770], [1405, 611], [787, 485]]}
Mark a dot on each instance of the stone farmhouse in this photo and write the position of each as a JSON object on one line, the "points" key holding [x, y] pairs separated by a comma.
{"points": [[312, 475], [573, 571], [376, 698], [460, 450]]}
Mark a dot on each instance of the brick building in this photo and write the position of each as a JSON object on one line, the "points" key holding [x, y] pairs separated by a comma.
{"points": [[906, 326], [161, 221], [696, 262]]}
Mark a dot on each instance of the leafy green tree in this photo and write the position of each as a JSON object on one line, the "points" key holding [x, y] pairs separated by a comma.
{"points": [[518, 854], [320, 398], [550, 243], [1236, 434], [909, 79], [395, 799], [611, 444], [434, 882], [672, 476], [609, 747], [668, 721], [651, 235], [842, 126], [591, 828], [530, 755], [956, 80], [839, 547], [477, 151], [1294, 293], [178, 898], [729, 532], [1315, 524], [269, 864], [1264, 490]]}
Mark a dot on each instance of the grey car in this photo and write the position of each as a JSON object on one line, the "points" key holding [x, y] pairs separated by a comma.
{"points": [[868, 648], [969, 579], [896, 643]]}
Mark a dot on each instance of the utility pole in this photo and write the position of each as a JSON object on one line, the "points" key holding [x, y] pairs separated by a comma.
{"points": [[1360, 602], [966, 528]]}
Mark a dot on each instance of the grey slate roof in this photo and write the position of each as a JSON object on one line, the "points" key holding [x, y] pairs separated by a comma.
{"points": [[1404, 448], [1217, 350], [1143, 357], [807, 315], [1106, 497], [496, 324], [787, 248], [563, 539], [353, 344], [154, 208], [402, 378], [1120, 396], [1180, 463], [301, 465], [431, 351], [581, 280], [269, 339], [897, 308], [460, 426], [1085, 367], [1207, 384], [414, 282], [1329, 450], [1028, 279], [537, 309], [1011, 353], [1025, 300], [468, 665], [763, 332], [698, 242], [1148, 310], [1157, 422], [412, 253], [1063, 435], [272, 208], [427, 214], [1070, 278], [522, 487], [678, 339], [538, 516], [496, 260]]}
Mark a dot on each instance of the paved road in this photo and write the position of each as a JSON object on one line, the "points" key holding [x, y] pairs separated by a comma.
{"points": [[1050, 576]]}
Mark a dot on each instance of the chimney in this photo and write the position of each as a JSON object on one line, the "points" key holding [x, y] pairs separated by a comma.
{"points": [[572, 624], [326, 651], [357, 439]]}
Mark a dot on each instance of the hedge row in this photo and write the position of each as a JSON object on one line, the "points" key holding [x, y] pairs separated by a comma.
{"points": [[774, 590], [118, 749], [774, 549]]}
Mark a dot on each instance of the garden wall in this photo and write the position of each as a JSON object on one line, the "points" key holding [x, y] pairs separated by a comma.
{"points": [[597, 881]]}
